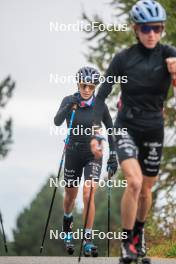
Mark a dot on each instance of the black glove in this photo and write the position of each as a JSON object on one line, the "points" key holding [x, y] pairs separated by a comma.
{"points": [[112, 164], [74, 100]]}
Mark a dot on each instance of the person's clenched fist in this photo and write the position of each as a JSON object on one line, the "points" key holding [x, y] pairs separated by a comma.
{"points": [[171, 65], [96, 148]]}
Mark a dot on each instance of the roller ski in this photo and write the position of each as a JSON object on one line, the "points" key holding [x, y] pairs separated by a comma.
{"points": [[143, 260], [89, 249], [139, 260], [68, 239]]}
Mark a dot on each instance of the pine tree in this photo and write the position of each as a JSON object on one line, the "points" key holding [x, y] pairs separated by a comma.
{"points": [[6, 90]]}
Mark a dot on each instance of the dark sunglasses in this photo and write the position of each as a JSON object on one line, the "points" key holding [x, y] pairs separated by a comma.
{"points": [[83, 86], [146, 29]]}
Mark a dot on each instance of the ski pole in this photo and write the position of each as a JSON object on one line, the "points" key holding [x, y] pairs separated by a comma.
{"points": [[85, 222], [3, 233], [58, 175], [109, 210]]}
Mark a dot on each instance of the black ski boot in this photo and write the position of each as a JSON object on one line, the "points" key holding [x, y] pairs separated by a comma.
{"points": [[139, 243], [89, 249], [128, 253], [68, 239]]}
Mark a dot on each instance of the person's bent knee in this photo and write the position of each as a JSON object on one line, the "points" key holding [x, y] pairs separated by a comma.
{"points": [[148, 184], [70, 198], [135, 185], [70, 193], [146, 189]]}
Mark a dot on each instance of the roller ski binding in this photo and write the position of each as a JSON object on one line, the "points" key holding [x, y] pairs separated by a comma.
{"points": [[68, 239], [89, 249]]}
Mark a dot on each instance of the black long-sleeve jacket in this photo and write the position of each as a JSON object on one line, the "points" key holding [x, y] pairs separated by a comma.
{"points": [[83, 120], [148, 82]]}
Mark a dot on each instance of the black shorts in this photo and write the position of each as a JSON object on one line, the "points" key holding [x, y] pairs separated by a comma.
{"points": [[146, 147], [78, 158]]}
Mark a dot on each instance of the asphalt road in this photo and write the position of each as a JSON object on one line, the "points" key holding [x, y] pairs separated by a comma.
{"points": [[71, 260]]}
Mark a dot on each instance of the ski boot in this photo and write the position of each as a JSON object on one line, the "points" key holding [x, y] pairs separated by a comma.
{"points": [[140, 245], [89, 249], [68, 239], [128, 253]]}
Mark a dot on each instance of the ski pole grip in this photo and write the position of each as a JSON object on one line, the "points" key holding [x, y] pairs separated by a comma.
{"points": [[74, 107]]}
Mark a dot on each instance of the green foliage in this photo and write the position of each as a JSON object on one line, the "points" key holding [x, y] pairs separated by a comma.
{"points": [[2, 250], [172, 251], [160, 250], [163, 249]]}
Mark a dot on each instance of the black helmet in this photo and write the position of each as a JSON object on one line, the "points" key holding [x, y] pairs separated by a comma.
{"points": [[88, 75]]}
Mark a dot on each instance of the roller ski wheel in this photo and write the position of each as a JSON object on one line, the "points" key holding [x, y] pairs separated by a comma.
{"points": [[94, 252], [143, 260], [126, 261], [90, 250], [70, 249], [137, 261], [69, 244], [68, 240]]}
